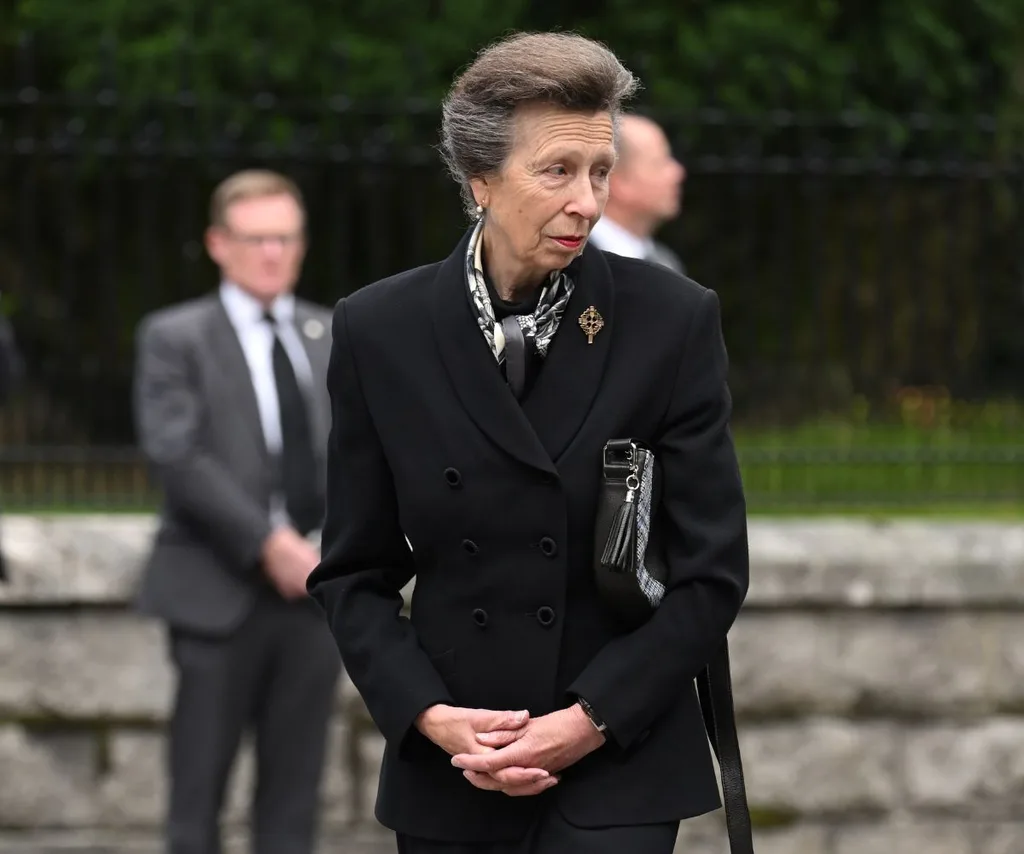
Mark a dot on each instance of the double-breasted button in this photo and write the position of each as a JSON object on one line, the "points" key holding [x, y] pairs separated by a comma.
{"points": [[545, 615], [549, 547], [548, 479], [453, 478], [480, 617], [471, 547]]}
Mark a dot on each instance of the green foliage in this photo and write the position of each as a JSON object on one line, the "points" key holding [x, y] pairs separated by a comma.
{"points": [[916, 55], [875, 271], [963, 462], [769, 818]]}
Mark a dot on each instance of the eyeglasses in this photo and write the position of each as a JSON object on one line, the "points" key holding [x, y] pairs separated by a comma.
{"points": [[285, 240]]}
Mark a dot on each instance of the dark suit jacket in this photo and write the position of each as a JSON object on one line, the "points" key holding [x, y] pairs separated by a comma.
{"points": [[199, 427], [498, 503], [660, 254]]}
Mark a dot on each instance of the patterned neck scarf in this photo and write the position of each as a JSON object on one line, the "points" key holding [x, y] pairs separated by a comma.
{"points": [[539, 327]]}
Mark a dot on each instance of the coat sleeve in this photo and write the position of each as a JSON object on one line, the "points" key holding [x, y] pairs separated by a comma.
{"points": [[169, 413], [637, 677], [367, 561]]}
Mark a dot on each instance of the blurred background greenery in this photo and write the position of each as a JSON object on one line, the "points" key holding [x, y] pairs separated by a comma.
{"points": [[855, 195]]}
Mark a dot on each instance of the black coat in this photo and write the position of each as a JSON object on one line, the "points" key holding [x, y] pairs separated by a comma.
{"points": [[497, 501]]}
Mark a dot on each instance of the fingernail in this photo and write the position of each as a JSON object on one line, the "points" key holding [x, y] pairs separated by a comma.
{"points": [[456, 762], [520, 717]]}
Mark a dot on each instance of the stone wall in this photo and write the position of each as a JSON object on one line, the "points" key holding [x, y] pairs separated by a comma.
{"points": [[879, 672]]}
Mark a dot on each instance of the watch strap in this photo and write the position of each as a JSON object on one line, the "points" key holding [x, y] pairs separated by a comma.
{"points": [[588, 710]]}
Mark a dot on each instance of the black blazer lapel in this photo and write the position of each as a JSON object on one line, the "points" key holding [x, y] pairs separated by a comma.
{"points": [[571, 375], [475, 374], [227, 352]]}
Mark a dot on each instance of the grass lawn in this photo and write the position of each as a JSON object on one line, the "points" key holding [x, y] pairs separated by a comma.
{"points": [[970, 471], [884, 469]]}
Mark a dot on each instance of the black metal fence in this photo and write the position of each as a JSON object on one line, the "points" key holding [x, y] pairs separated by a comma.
{"points": [[871, 273]]}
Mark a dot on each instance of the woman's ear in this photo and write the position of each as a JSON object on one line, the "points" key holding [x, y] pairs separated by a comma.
{"points": [[481, 191]]}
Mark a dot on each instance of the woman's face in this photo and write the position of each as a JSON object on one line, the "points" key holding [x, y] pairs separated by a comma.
{"points": [[553, 188]]}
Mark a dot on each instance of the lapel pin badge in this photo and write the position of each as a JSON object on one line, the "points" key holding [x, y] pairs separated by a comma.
{"points": [[591, 323], [313, 329]]}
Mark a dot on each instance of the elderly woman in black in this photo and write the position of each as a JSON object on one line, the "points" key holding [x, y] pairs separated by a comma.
{"points": [[472, 400]]}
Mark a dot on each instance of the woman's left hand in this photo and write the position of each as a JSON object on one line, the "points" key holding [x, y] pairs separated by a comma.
{"points": [[551, 742]]}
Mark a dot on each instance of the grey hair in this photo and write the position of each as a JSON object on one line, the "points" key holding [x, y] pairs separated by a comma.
{"points": [[562, 69]]}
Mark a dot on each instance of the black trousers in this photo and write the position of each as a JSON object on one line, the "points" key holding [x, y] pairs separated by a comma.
{"points": [[552, 834], [277, 674]]}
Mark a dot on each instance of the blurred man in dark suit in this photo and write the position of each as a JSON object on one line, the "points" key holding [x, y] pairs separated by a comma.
{"points": [[645, 191]]}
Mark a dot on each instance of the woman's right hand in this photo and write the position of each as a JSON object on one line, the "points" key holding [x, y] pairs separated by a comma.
{"points": [[454, 729]]}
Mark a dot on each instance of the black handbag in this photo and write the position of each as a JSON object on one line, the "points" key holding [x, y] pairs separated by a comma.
{"points": [[631, 570]]}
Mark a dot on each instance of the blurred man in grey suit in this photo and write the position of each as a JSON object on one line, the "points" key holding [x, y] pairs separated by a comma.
{"points": [[646, 189], [232, 413], [10, 373]]}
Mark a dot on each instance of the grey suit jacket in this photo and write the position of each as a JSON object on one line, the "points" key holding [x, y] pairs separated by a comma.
{"points": [[199, 428]]}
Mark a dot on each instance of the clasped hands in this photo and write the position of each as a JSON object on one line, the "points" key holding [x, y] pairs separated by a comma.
{"points": [[509, 751]]}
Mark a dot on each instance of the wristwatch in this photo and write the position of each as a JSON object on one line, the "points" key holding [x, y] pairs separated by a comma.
{"points": [[588, 710]]}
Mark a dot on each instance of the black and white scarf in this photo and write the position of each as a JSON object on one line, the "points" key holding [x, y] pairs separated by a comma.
{"points": [[539, 327]]}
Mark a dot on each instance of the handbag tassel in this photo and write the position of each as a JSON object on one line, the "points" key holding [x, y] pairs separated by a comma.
{"points": [[620, 549]]}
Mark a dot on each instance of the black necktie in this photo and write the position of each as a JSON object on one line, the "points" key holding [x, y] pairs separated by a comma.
{"points": [[298, 462]]}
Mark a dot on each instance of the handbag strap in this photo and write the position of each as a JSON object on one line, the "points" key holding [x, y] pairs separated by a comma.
{"points": [[714, 689]]}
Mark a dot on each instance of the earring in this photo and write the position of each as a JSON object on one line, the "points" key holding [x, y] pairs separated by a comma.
{"points": [[479, 210]]}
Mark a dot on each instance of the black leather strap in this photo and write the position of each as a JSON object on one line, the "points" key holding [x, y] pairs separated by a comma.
{"points": [[623, 597], [714, 688], [515, 355]]}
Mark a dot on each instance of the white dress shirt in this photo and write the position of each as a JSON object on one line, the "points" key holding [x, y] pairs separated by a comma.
{"points": [[256, 336], [257, 339], [612, 237]]}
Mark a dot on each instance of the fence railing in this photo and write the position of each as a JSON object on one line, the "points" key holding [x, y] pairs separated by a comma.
{"points": [[871, 273]]}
